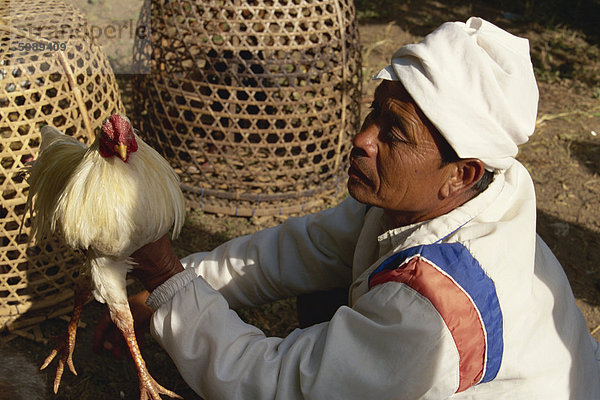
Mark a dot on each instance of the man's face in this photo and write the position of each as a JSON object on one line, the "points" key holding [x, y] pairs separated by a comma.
{"points": [[396, 162]]}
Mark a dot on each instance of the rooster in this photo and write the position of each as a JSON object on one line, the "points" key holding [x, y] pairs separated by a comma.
{"points": [[108, 200]]}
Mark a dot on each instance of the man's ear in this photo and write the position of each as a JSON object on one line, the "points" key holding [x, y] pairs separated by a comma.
{"points": [[464, 173]]}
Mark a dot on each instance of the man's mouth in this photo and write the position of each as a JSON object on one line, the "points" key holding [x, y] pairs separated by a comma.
{"points": [[355, 173]]}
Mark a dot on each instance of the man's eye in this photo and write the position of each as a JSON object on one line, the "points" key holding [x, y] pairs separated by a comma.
{"points": [[393, 135]]}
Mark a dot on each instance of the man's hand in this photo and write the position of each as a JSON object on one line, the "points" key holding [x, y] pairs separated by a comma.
{"points": [[108, 337], [155, 263]]}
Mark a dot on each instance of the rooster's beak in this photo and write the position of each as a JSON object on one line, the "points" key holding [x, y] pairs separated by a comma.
{"points": [[121, 150]]}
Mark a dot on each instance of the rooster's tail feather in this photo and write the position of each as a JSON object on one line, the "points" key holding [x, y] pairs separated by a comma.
{"points": [[47, 177]]}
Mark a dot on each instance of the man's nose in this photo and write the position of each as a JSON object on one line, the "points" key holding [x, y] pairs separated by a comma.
{"points": [[366, 140]]}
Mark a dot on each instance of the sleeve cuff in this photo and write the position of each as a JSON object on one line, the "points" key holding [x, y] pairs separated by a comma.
{"points": [[167, 289]]}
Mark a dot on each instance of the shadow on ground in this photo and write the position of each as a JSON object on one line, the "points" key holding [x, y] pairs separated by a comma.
{"points": [[578, 250], [421, 16], [588, 154]]}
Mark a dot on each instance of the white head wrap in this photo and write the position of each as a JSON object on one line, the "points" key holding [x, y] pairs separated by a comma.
{"points": [[475, 82]]}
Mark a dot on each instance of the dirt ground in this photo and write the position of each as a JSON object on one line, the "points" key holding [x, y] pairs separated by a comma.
{"points": [[563, 157]]}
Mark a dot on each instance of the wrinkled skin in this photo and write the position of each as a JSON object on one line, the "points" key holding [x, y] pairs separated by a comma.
{"points": [[396, 162]]}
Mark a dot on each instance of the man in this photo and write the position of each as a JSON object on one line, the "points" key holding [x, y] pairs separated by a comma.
{"points": [[451, 293]]}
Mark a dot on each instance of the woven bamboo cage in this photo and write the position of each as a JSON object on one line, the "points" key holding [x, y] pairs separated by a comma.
{"points": [[50, 73], [254, 103]]}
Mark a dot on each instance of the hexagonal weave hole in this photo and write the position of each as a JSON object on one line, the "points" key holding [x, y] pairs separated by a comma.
{"points": [[254, 102]]}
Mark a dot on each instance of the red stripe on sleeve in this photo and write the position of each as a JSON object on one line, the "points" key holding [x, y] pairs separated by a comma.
{"points": [[455, 307]]}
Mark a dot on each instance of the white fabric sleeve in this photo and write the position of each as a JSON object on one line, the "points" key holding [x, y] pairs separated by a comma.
{"points": [[392, 344], [301, 255]]}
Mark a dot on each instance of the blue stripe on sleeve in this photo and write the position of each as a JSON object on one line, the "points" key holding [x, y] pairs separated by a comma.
{"points": [[455, 260]]}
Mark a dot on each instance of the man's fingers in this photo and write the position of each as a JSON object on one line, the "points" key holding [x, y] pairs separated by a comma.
{"points": [[114, 342], [117, 348], [102, 329], [108, 337]]}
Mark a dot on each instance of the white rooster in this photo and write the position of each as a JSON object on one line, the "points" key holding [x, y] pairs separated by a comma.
{"points": [[109, 200]]}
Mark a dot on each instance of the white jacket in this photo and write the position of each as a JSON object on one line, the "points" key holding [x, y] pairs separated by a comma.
{"points": [[469, 305]]}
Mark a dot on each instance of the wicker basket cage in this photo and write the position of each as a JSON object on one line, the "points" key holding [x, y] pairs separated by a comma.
{"points": [[253, 102], [50, 73]]}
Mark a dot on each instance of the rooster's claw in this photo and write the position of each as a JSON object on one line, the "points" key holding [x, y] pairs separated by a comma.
{"points": [[65, 350]]}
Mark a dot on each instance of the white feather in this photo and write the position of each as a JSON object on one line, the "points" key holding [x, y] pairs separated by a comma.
{"points": [[109, 279], [115, 207], [103, 205], [47, 176]]}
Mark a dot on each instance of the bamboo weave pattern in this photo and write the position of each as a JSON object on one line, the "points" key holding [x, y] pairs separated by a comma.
{"points": [[253, 102], [50, 73]]}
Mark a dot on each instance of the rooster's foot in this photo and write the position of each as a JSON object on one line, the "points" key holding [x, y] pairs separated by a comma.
{"points": [[65, 356], [67, 342], [151, 390]]}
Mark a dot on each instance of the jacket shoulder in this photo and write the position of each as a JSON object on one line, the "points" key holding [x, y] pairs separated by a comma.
{"points": [[462, 293]]}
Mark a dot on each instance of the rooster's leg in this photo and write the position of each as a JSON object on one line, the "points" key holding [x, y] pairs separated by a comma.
{"points": [[149, 388], [66, 343]]}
